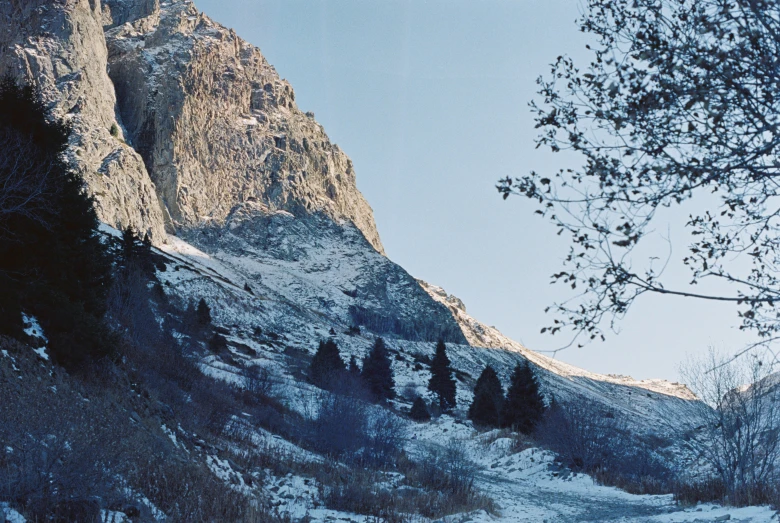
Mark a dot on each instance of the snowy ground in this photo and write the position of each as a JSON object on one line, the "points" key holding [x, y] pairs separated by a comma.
{"points": [[529, 487], [288, 298], [532, 494]]}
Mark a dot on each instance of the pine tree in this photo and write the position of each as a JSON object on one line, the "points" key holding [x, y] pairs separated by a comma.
{"points": [[419, 410], [442, 383], [136, 254], [377, 372], [524, 405], [354, 369], [326, 365], [486, 409], [203, 314]]}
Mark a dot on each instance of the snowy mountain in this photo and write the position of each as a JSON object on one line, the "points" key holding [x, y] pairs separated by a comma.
{"points": [[185, 132], [263, 198]]}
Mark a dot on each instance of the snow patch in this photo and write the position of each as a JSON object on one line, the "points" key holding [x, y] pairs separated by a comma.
{"points": [[11, 516], [34, 330]]}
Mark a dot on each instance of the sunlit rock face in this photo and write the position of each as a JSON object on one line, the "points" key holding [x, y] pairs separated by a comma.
{"points": [[215, 124], [176, 120], [59, 46]]}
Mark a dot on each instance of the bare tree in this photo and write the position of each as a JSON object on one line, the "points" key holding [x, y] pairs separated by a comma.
{"points": [[24, 177], [679, 101], [582, 433], [258, 380], [742, 427]]}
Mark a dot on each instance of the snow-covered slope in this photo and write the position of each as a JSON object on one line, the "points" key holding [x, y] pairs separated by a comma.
{"points": [[302, 279]]}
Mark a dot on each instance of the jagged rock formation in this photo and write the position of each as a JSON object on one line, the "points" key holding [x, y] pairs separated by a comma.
{"points": [[60, 47], [211, 119], [216, 125]]}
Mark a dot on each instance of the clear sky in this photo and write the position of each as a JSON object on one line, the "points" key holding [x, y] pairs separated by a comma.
{"points": [[429, 99]]}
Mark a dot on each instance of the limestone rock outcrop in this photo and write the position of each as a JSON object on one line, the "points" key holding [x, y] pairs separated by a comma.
{"points": [[176, 119], [59, 46], [217, 126]]}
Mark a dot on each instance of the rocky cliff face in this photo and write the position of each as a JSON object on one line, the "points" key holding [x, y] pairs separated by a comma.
{"points": [[59, 46], [176, 120], [217, 127]]}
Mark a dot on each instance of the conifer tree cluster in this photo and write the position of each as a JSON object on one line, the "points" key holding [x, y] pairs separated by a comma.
{"points": [[136, 254], [442, 382], [53, 264], [376, 376], [520, 410]]}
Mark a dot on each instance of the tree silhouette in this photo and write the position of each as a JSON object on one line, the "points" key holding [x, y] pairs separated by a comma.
{"points": [[486, 408], [53, 264], [419, 410], [679, 102], [377, 372], [203, 314], [442, 383], [326, 365], [524, 405]]}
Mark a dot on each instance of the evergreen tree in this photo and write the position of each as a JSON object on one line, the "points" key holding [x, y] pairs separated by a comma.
{"points": [[218, 344], [442, 383], [524, 405], [136, 254], [354, 369], [419, 410], [377, 372], [53, 263], [203, 314], [326, 365], [486, 409]]}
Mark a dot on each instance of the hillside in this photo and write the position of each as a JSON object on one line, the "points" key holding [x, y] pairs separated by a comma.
{"points": [[186, 133]]}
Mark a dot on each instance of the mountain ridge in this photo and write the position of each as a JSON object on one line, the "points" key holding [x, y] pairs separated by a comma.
{"points": [[197, 134]]}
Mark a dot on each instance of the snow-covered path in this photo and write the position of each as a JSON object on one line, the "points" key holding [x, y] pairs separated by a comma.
{"points": [[529, 487], [537, 494]]}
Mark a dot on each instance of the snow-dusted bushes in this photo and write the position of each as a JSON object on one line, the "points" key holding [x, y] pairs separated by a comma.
{"points": [[56, 447], [448, 470], [590, 438], [741, 427], [346, 426]]}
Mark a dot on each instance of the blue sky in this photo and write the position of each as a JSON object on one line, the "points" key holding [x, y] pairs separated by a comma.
{"points": [[429, 99]]}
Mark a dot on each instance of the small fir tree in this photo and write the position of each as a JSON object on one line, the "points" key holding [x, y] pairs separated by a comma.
{"points": [[377, 372], [442, 383], [419, 410], [134, 253], [326, 365], [486, 409], [218, 344], [354, 369], [524, 405], [203, 314]]}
